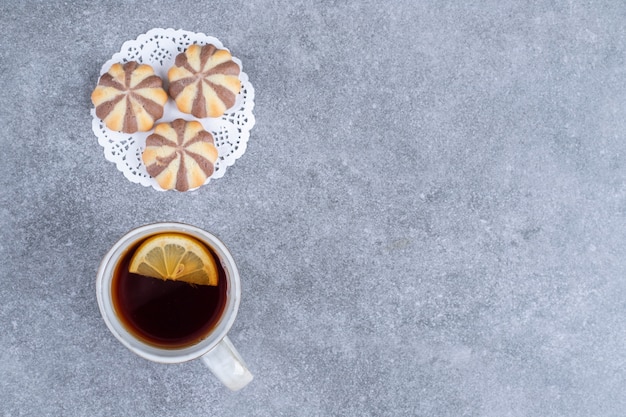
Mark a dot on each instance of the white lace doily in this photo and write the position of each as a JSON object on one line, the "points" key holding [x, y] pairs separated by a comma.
{"points": [[159, 48]]}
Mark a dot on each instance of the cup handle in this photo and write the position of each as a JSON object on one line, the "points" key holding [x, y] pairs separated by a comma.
{"points": [[227, 365]]}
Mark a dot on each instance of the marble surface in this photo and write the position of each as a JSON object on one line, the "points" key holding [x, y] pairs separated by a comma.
{"points": [[429, 219]]}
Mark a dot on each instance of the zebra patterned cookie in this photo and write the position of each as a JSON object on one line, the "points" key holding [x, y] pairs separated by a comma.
{"points": [[180, 155], [204, 81], [129, 98]]}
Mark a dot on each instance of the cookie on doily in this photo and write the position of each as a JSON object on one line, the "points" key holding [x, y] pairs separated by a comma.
{"points": [[180, 155], [204, 81], [129, 98]]}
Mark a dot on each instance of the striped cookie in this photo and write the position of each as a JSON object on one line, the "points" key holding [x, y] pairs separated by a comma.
{"points": [[204, 81], [180, 155], [129, 98]]}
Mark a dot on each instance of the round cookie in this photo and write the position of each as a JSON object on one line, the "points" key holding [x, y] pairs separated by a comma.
{"points": [[180, 155], [204, 81], [129, 98]]}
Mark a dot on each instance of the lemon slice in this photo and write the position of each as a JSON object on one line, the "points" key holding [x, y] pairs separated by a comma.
{"points": [[175, 257]]}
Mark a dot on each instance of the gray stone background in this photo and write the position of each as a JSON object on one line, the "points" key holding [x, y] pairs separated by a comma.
{"points": [[429, 218]]}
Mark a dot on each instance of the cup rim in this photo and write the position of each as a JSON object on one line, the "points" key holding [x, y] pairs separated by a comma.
{"points": [[143, 349]]}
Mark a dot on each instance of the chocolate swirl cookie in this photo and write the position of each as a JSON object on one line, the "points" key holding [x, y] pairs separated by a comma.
{"points": [[129, 97], [180, 155], [204, 81]]}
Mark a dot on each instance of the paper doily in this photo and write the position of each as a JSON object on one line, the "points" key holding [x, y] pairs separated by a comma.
{"points": [[159, 48]]}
